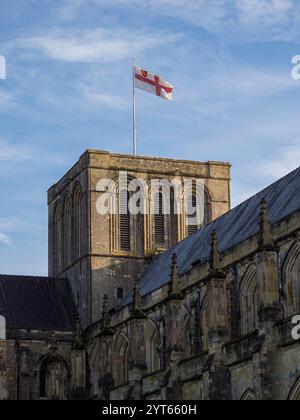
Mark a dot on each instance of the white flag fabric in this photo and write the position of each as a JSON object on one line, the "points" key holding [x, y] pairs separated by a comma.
{"points": [[152, 83]]}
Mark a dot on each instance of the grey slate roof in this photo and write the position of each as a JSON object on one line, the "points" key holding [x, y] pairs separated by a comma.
{"points": [[236, 226], [37, 303]]}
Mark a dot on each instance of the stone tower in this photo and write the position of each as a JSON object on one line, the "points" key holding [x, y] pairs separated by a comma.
{"points": [[102, 254]]}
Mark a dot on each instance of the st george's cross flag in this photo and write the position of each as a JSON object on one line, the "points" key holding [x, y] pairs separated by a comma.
{"points": [[152, 83]]}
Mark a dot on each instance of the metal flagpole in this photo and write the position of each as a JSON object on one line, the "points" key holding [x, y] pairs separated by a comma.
{"points": [[133, 108]]}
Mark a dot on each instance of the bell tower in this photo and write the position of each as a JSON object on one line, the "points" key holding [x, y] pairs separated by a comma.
{"points": [[102, 253]]}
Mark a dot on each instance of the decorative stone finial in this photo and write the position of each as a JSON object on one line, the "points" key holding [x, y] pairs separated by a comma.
{"points": [[214, 252], [266, 241], [215, 269], [174, 285], [137, 310], [106, 329], [78, 341]]}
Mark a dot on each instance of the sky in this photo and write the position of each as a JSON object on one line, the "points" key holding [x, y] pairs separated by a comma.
{"points": [[68, 88]]}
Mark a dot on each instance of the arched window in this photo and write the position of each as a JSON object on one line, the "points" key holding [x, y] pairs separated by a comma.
{"points": [[174, 237], [2, 328], [188, 339], [58, 240], [248, 395], [159, 219], [295, 392], [77, 220], [67, 232], [95, 369], [120, 293], [291, 281], [204, 323], [152, 346], [248, 293], [53, 379], [198, 212], [121, 351], [125, 225], [192, 225], [2, 381], [165, 218]]}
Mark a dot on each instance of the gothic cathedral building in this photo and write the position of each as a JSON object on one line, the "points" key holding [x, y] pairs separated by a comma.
{"points": [[157, 305]]}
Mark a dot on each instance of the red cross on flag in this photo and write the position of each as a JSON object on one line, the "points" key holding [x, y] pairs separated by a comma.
{"points": [[152, 83]]}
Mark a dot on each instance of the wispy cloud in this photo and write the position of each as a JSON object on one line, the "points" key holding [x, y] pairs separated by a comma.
{"points": [[103, 99], [14, 152], [6, 240], [255, 82], [100, 45], [283, 161], [250, 19], [7, 99]]}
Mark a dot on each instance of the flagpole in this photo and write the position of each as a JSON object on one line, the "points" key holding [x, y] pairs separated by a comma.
{"points": [[133, 108]]}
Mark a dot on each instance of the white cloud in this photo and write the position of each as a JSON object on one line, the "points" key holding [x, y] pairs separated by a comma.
{"points": [[19, 224], [285, 160], [253, 82], [100, 45], [249, 19], [5, 239], [261, 173], [103, 99], [12, 152], [6, 99], [270, 11]]}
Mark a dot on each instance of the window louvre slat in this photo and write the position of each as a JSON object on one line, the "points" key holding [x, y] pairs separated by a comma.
{"points": [[125, 237], [159, 220]]}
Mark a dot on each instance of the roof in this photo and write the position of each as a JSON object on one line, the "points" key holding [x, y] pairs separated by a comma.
{"points": [[234, 227], [37, 303]]}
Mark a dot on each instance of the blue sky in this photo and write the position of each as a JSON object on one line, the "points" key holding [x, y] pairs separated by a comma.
{"points": [[68, 88]]}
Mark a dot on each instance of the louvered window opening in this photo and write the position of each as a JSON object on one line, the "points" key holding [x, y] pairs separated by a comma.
{"points": [[125, 237], [174, 218], [159, 220], [192, 214]]}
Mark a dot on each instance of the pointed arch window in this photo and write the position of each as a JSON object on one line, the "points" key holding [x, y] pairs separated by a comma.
{"points": [[188, 340], [204, 324], [152, 347], [199, 212], [121, 350], [249, 301], [291, 283], [53, 379]]}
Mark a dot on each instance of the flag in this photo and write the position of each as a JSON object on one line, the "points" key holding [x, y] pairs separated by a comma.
{"points": [[152, 83]]}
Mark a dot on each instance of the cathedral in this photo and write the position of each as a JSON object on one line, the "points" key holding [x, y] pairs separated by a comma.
{"points": [[153, 306]]}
